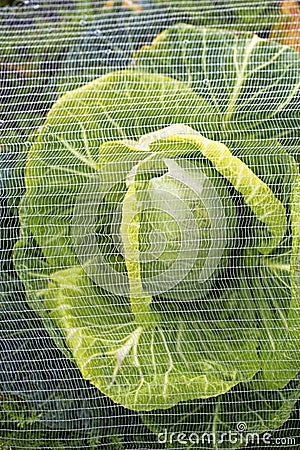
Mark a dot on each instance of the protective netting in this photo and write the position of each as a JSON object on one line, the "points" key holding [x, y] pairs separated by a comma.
{"points": [[150, 215]]}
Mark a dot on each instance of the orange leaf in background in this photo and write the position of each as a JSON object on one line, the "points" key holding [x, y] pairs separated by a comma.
{"points": [[287, 29], [129, 4]]}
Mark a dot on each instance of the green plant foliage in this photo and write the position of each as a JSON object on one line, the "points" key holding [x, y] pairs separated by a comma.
{"points": [[33, 74], [21, 428], [107, 42], [47, 50], [254, 79], [43, 396], [149, 318], [196, 187], [242, 15], [28, 67]]}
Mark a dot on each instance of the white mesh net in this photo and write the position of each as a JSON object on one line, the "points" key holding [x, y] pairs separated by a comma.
{"points": [[150, 278]]}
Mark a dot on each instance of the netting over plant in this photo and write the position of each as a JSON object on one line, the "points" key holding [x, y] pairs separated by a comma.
{"points": [[150, 226]]}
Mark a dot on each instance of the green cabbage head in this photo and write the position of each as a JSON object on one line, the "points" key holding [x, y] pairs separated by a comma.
{"points": [[159, 248]]}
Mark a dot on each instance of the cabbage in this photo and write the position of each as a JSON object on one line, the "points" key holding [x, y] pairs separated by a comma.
{"points": [[160, 223]]}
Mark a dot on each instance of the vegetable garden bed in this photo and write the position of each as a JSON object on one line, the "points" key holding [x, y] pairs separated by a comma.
{"points": [[150, 266]]}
